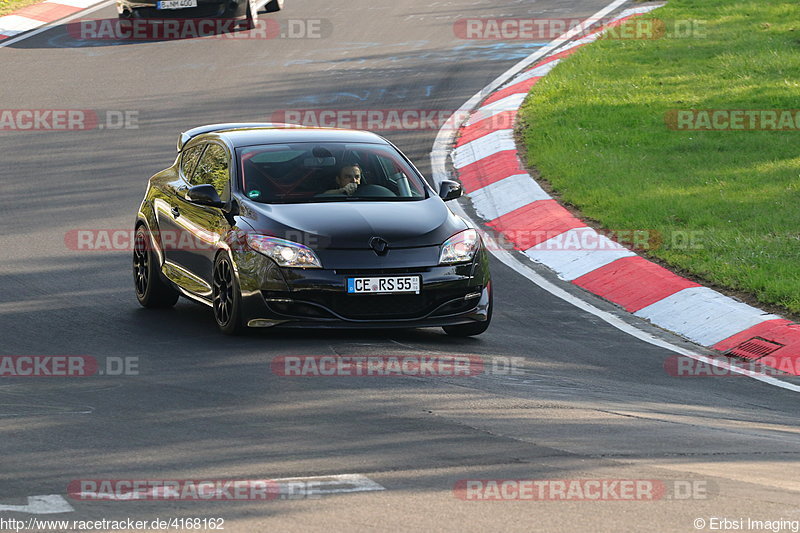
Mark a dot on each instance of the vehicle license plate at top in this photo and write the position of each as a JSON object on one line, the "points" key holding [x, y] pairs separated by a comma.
{"points": [[383, 285], [176, 4]]}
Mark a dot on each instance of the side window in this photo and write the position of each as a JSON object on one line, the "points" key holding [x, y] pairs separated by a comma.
{"points": [[212, 169], [189, 159]]}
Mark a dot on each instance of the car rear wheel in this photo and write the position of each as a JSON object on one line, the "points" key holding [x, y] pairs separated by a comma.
{"points": [[470, 330], [151, 290], [226, 297], [274, 5]]}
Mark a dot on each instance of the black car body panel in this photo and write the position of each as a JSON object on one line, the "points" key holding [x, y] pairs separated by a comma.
{"points": [[350, 226], [209, 9], [212, 9]]}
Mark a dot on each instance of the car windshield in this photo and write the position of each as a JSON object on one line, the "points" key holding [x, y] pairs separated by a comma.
{"points": [[327, 172]]}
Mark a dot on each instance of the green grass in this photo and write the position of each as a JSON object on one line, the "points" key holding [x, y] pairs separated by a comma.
{"points": [[595, 129], [9, 6]]}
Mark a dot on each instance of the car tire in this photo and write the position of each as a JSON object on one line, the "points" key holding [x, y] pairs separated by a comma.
{"points": [[476, 328], [226, 297], [273, 6], [151, 290], [252, 16]]}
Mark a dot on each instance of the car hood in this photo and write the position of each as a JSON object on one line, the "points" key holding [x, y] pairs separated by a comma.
{"points": [[351, 225]]}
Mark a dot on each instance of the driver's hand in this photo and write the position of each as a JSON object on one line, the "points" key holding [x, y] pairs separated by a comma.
{"points": [[350, 188]]}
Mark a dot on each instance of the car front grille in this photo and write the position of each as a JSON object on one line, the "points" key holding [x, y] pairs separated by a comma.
{"points": [[203, 10], [329, 304], [383, 306], [381, 271]]}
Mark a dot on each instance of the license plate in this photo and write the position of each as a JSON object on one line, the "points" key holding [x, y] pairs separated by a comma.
{"points": [[383, 285], [175, 4]]}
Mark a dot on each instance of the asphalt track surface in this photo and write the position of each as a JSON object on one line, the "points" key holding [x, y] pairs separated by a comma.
{"points": [[589, 401]]}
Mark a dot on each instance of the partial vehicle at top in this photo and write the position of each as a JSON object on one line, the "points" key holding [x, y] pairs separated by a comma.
{"points": [[177, 9], [282, 226]]}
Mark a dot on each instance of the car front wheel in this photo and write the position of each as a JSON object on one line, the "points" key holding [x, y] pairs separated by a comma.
{"points": [[252, 15], [226, 297]]}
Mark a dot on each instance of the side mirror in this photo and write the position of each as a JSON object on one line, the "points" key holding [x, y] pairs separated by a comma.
{"points": [[449, 190], [204, 195]]}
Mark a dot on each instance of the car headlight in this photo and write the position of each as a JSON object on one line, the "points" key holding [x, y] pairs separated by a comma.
{"points": [[285, 253], [460, 248]]}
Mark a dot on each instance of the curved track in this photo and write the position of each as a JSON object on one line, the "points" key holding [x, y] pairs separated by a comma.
{"points": [[589, 400]]}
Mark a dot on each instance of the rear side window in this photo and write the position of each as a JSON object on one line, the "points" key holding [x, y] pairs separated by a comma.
{"points": [[212, 169], [189, 159]]}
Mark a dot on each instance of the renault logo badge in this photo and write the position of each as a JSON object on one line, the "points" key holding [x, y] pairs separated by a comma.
{"points": [[380, 246]]}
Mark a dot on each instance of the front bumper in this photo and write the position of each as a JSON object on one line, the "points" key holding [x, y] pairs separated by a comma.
{"points": [[214, 9], [449, 295]]}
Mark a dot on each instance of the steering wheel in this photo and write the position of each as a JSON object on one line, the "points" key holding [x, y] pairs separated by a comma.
{"points": [[370, 190]]}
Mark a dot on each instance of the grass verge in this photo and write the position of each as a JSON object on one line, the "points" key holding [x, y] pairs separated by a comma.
{"points": [[9, 6], [596, 128]]}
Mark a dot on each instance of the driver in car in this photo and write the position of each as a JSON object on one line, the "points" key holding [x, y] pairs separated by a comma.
{"points": [[348, 180]]}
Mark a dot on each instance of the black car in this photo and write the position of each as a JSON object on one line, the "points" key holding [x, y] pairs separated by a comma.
{"points": [[212, 9], [253, 221]]}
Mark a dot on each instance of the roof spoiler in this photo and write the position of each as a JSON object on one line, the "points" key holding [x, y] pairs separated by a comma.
{"points": [[187, 136]]}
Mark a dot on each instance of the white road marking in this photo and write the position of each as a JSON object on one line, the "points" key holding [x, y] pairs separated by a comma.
{"points": [[639, 10], [506, 195], [49, 25], [73, 3], [703, 315], [585, 40], [571, 264], [490, 144], [537, 72], [287, 486], [46, 504], [338, 484], [14, 24], [509, 103], [439, 154]]}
